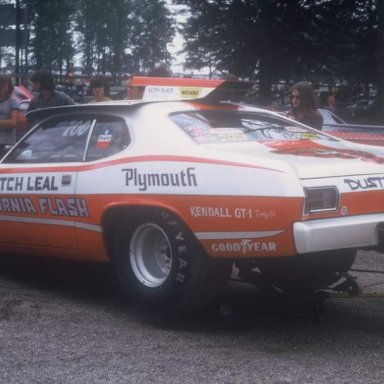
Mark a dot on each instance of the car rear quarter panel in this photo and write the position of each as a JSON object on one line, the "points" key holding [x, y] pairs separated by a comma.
{"points": [[221, 202]]}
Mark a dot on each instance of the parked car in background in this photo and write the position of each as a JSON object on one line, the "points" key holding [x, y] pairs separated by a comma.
{"points": [[21, 93], [364, 111], [359, 133], [330, 118]]}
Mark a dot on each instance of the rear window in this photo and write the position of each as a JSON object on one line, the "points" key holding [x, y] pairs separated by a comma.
{"points": [[237, 126]]}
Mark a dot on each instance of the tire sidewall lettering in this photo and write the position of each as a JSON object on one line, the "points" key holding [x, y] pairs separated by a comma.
{"points": [[180, 248]]}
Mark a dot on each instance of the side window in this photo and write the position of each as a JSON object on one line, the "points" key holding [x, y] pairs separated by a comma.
{"points": [[56, 140], [109, 136]]}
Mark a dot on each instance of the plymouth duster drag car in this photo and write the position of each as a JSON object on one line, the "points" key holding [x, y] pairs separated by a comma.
{"points": [[174, 193]]}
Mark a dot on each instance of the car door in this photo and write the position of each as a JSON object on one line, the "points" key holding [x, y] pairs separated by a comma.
{"points": [[38, 206]]}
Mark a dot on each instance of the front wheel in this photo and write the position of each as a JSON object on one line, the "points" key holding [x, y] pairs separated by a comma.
{"points": [[160, 265]]}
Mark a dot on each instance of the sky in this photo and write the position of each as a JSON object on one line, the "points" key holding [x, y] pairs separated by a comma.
{"points": [[178, 41]]}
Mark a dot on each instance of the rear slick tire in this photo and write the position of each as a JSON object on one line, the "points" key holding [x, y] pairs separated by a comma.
{"points": [[161, 266]]}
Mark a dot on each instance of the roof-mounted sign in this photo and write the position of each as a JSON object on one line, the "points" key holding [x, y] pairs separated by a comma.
{"points": [[178, 88]]}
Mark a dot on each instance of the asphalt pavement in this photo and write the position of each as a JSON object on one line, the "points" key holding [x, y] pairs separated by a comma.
{"points": [[68, 323]]}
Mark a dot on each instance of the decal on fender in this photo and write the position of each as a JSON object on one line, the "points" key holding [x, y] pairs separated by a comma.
{"points": [[70, 207], [225, 212], [244, 246], [30, 183], [376, 182], [135, 178]]}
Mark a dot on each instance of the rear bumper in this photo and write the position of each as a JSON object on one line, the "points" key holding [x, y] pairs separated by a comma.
{"points": [[337, 233]]}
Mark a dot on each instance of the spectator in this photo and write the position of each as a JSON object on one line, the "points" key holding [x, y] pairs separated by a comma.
{"points": [[303, 107], [331, 102], [100, 89], [9, 110], [44, 84], [134, 92]]}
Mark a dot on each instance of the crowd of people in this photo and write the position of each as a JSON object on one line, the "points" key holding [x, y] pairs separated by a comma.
{"points": [[46, 95], [302, 100]]}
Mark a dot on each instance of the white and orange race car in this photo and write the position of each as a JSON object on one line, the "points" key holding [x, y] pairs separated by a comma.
{"points": [[175, 193]]}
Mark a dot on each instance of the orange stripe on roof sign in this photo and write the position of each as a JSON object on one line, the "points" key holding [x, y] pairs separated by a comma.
{"points": [[175, 88]]}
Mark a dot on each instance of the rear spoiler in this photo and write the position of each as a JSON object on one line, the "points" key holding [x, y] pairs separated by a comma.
{"points": [[178, 88]]}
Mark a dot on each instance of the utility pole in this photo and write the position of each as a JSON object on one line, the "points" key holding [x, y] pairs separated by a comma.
{"points": [[18, 43], [380, 62]]}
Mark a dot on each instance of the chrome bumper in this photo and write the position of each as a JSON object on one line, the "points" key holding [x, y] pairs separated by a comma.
{"points": [[337, 233]]}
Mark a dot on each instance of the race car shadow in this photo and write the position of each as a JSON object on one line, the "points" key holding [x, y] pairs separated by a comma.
{"points": [[81, 279], [243, 307], [240, 307]]}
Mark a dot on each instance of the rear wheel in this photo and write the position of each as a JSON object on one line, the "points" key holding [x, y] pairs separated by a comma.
{"points": [[161, 266], [150, 255]]}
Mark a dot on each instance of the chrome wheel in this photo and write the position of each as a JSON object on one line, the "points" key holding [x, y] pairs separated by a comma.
{"points": [[150, 255]]}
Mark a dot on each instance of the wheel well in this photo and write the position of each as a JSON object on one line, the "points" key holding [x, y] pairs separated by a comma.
{"points": [[116, 215]]}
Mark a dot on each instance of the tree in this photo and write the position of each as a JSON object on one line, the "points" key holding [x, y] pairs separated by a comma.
{"points": [[380, 63], [52, 42], [132, 35], [152, 30], [104, 35], [277, 39], [345, 39], [252, 38], [110, 36]]}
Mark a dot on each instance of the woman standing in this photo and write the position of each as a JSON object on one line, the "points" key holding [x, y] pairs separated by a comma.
{"points": [[303, 107], [9, 110]]}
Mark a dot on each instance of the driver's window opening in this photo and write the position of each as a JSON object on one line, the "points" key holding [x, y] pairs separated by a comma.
{"points": [[72, 140]]}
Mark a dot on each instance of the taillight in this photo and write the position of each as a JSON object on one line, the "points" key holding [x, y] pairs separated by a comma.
{"points": [[321, 199]]}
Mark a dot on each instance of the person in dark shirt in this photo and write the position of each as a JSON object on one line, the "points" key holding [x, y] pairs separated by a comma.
{"points": [[9, 109], [303, 107], [100, 89], [43, 83]]}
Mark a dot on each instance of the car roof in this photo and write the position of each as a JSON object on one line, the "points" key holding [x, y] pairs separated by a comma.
{"points": [[127, 106], [115, 105]]}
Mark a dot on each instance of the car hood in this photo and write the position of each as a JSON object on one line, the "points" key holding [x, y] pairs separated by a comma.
{"points": [[313, 159]]}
